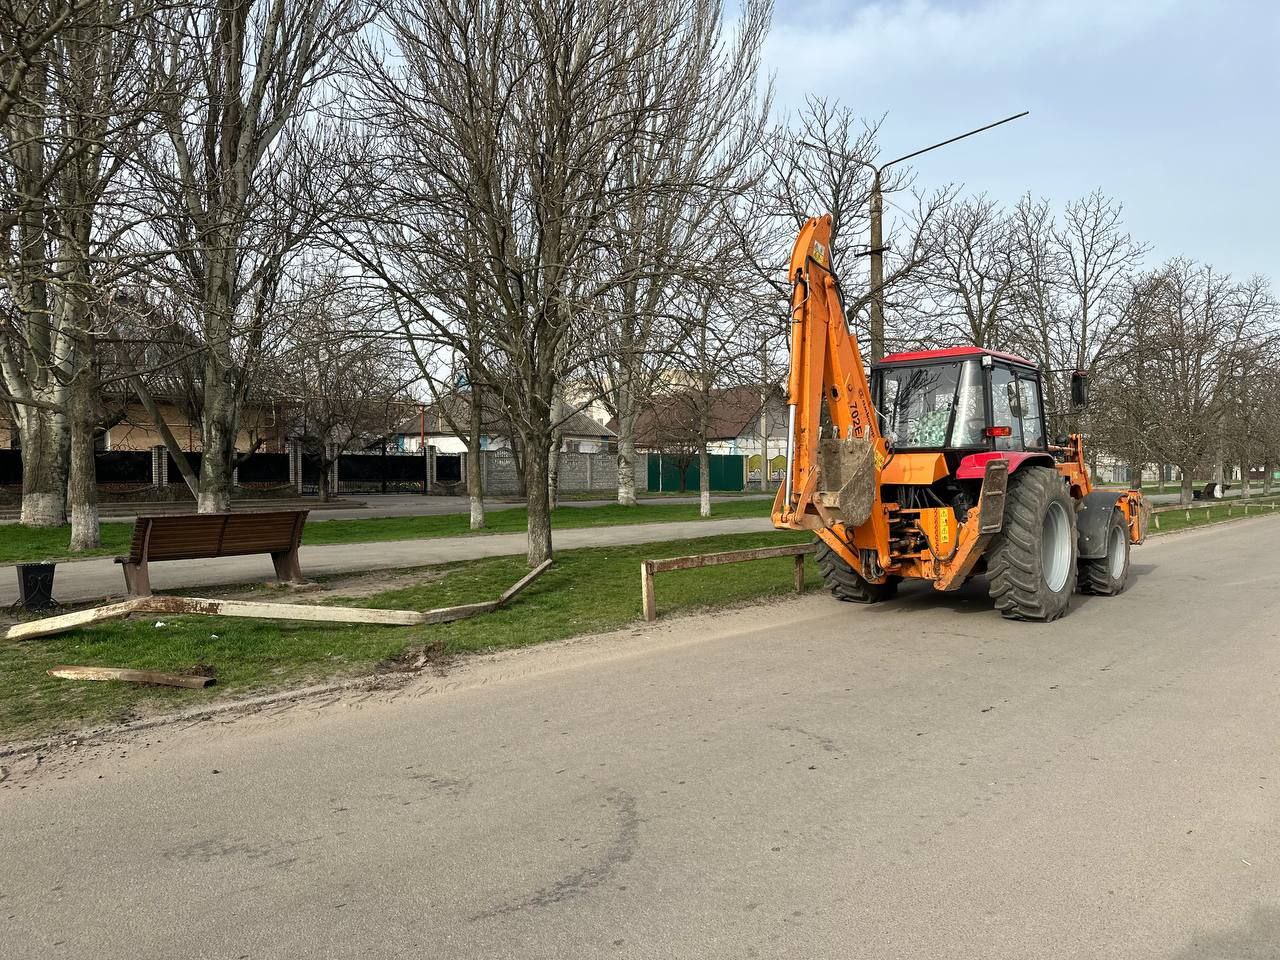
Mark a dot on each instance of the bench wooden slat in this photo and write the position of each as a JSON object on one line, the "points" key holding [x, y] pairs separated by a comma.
{"points": [[199, 536]]}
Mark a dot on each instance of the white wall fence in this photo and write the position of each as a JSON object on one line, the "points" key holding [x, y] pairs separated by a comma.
{"points": [[578, 473]]}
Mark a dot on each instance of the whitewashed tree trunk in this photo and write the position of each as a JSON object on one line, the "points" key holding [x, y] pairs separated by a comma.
{"points": [[627, 416], [475, 464], [627, 461], [704, 482], [45, 442]]}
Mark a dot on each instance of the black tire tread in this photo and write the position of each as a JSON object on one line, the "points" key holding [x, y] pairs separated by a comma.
{"points": [[1014, 578], [1094, 576], [845, 583]]}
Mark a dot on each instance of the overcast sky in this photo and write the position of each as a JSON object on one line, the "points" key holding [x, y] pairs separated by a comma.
{"points": [[1171, 106]]}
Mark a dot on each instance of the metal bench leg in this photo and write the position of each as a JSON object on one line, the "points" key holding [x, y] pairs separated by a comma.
{"points": [[288, 569], [137, 580]]}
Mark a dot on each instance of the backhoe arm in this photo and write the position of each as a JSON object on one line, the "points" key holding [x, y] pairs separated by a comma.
{"points": [[826, 364]]}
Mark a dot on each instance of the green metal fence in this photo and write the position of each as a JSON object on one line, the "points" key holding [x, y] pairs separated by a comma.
{"points": [[727, 472]]}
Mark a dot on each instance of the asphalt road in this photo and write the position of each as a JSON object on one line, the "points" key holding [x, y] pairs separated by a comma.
{"points": [[800, 779]]}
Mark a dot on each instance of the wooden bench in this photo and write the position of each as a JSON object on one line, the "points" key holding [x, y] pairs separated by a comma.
{"points": [[207, 535]]}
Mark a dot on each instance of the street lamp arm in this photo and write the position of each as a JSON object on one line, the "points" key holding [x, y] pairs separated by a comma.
{"points": [[962, 136]]}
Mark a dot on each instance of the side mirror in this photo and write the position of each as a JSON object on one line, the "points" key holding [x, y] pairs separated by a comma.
{"points": [[1079, 390], [1015, 400]]}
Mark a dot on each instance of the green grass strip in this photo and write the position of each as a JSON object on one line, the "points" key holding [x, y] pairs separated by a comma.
{"points": [[585, 591]]}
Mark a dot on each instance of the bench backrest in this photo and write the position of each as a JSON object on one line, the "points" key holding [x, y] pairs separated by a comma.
{"points": [[191, 536]]}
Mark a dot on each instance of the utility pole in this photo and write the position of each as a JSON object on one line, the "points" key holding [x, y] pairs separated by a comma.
{"points": [[877, 226], [764, 414], [877, 269]]}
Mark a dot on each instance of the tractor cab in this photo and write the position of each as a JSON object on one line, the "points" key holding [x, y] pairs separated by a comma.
{"points": [[962, 399]]}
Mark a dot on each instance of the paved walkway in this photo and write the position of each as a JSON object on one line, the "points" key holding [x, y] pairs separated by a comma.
{"points": [[364, 506], [416, 505], [80, 580]]}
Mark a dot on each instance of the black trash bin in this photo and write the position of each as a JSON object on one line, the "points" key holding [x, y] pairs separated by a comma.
{"points": [[35, 585]]}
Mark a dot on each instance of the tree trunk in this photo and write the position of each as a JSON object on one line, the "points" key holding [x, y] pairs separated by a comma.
{"points": [[44, 467], [704, 482], [627, 459], [220, 415], [475, 472], [1244, 478], [82, 487], [536, 456], [1186, 484], [326, 480], [1135, 475], [219, 449], [1267, 467], [553, 472]]}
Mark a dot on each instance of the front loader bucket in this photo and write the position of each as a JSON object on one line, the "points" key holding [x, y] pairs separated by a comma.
{"points": [[847, 478]]}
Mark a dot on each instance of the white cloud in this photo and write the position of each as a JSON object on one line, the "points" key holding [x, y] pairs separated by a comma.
{"points": [[814, 43]]}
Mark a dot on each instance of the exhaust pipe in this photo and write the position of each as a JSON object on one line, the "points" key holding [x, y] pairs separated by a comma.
{"points": [[791, 450]]}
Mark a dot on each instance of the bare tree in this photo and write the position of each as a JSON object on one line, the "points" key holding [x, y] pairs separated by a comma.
{"points": [[27, 29], [510, 121], [822, 160], [971, 274], [700, 149], [69, 125], [344, 383], [240, 185], [1191, 327]]}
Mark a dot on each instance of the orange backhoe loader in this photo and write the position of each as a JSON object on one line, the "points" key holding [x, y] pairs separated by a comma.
{"points": [[939, 469]]}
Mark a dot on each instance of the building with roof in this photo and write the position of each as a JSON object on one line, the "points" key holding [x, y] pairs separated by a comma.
{"points": [[740, 420]]}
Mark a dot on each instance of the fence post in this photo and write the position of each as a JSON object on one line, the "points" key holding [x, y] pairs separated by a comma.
{"points": [[799, 573], [590, 457], [159, 466], [646, 591], [295, 465]]}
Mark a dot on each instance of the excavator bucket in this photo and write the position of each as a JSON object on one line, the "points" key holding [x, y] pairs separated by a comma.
{"points": [[847, 478]]}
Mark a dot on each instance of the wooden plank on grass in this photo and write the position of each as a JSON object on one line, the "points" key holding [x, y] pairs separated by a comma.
{"points": [[176, 606], [130, 676], [179, 606], [523, 582], [460, 612], [63, 622], [284, 611]]}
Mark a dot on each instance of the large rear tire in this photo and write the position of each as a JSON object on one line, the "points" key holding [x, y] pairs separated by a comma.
{"points": [[1106, 576], [847, 584], [1031, 563]]}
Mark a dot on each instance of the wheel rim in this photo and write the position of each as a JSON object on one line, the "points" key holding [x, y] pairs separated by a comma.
{"points": [[1055, 547], [1116, 544]]}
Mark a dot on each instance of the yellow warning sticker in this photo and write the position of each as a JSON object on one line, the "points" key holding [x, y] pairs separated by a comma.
{"points": [[944, 527]]}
